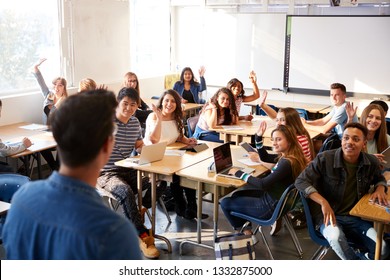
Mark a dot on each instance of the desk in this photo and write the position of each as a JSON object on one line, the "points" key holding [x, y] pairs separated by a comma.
{"points": [[197, 177], [42, 140], [247, 129], [311, 108], [164, 170], [4, 207], [376, 214]]}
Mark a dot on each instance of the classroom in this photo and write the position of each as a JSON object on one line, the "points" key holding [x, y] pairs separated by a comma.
{"points": [[291, 52]]}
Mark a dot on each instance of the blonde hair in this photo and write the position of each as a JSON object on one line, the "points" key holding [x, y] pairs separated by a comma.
{"points": [[87, 84]]}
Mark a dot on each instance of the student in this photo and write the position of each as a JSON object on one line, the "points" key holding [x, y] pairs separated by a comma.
{"points": [[87, 84], [237, 88], [335, 180], [337, 117], [6, 150], [188, 88], [220, 110], [52, 101], [261, 195], [119, 182], [131, 81], [165, 124], [63, 217]]}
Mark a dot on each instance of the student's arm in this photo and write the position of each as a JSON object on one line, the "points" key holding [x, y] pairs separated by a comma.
{"points": [[138, 145], [323, 125], [267, 109], [327, 211], [144, 106], [210, 115], [6, 150], [153, 125], [38, 76], [256, 92]]}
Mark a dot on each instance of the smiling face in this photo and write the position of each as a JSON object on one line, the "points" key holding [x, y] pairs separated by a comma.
{"points": [[280, 143], [236, 89], [131, 81], [168, 105], [352, 143], [337, 97], [280, 118], [373, 120], [223, 100], [187, 76], [58, 88], [126, 108]]}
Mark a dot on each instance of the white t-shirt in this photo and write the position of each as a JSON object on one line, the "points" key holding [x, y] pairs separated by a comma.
{"points": [[169, 131]]}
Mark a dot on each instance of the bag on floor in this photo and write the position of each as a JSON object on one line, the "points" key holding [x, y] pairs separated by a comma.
{"points": [[234, 247]]}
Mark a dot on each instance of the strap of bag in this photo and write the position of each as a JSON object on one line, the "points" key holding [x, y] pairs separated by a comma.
{"points": [[249, 248]]}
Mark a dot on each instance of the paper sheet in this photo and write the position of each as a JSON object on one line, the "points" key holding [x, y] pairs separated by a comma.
{"points": [[248, 162], [178, 153], [34, 126]]}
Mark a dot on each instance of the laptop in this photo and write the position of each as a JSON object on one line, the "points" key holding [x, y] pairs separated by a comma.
{"points": [[150, 153], [223, 162]]}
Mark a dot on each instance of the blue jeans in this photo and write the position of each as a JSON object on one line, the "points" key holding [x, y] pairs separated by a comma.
{"points": [[253, 202], [349, 230], [206, 135]]}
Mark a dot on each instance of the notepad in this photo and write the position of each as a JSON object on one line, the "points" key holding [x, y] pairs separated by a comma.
{"points": [[232, 127]]}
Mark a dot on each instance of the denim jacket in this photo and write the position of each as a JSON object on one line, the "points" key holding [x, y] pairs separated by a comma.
{"points": [[195, 88], [326, 175]]}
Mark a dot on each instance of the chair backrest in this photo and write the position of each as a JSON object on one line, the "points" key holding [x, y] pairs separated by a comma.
{"points": [[191, 124], [330, 143], [9, 184], [315, 235], [261, 112], [302, 113]]}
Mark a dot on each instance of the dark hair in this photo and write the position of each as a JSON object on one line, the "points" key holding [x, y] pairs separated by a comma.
{"points": [[178, 113], [131, 93], [234, 81], [338, 86], [82, 124], [229, 112], [358, 126], [193, 81], [1, 103], [381, 103]]}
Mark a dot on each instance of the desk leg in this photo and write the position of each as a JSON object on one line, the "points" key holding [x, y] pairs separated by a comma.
{"points": [[39, 165], [216, 210], [379, 236], [153, 178], [199, 191], [139, 185]]}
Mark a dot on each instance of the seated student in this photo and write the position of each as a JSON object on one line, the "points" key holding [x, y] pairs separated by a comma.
{"points": [[165, 124], [120, 182], [6, 150], [188, 88], [237, 88], [63, 217], [131, 81], [335, 180], [220, 110], [87, 84], [261, 195]]}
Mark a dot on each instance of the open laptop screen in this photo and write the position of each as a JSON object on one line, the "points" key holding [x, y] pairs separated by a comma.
{"points": [[222, 157]]}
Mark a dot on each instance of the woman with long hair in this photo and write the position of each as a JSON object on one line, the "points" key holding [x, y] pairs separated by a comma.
{"points": [[189, 88], [261, 195], [220, 110]]}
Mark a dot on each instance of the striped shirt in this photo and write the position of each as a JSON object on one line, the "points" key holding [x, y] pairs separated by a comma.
{"points": [[304, 142], [125, 139]]}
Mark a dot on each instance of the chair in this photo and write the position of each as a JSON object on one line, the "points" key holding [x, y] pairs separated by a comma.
{"points": [[315, 235], [191, 124], [330, 143], [302, 113], [261, 112], [284, 204], [9, 184]]}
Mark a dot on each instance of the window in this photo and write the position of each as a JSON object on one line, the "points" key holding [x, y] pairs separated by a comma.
{"points": [[150, 37], [28, 31]]}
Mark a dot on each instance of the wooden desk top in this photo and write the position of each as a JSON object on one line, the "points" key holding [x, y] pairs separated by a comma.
{"points": [[171, 163], [42, 140], [199, 171], [4, 207], [313, 108], [368, 211]]}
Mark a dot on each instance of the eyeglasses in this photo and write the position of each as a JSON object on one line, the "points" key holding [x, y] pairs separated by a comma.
{"points": [[132, 81], [354, 138]]}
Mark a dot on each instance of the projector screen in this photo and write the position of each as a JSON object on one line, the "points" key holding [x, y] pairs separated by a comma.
{"points": [[352, 50]]}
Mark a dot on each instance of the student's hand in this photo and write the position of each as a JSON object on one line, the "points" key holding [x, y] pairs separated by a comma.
{"points": [[202, 69], [262, 98], [102, 86], [329, 216], [380, 157], [253, 156], [40, 61], [303, 120], [252, 77], [192, 141], [184, 101], [350, 110], [262, 128], [233, 171], [249, 117], [157, 111], [26, 142], [380, 195]]}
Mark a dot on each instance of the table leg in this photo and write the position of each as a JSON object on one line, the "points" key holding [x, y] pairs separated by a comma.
{"points": [[139, 185], [216, 210], [379, 236]]}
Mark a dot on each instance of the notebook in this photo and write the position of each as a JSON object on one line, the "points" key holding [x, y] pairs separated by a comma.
{"points": [[150, 153], [223, 161]]}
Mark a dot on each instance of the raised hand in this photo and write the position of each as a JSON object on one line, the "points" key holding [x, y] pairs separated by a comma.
{"points": [[202, 69], [157, 111], [40, 61], [262, 98], [350, 110], [252, 76], [262, 128]]}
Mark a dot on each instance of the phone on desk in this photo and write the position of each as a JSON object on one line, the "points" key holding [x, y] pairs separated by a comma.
{"points": [[248, 147]]}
